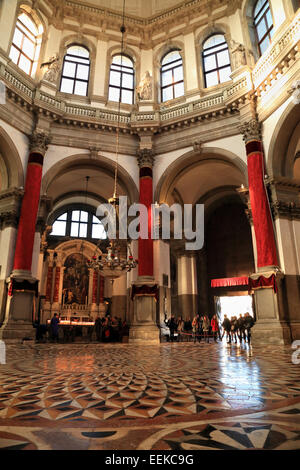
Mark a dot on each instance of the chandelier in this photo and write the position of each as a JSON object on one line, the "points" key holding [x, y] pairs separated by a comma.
{"points": [[114, 264]]}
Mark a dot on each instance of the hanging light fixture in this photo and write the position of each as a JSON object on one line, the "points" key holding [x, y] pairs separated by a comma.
{"points": [[112, 264]]}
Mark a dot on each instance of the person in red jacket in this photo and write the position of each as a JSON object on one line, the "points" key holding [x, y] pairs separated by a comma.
{"points": [[215, 327]]}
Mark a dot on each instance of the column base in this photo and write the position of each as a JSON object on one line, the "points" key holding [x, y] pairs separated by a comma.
{"points": [[276, 332], [143, 334], [295, 330], [18, 322]]}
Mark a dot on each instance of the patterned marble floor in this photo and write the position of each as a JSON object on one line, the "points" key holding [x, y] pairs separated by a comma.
{"points": [[169, 397]]}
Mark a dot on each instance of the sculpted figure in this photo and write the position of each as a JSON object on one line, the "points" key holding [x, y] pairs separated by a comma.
{"points": [[144, 90]]}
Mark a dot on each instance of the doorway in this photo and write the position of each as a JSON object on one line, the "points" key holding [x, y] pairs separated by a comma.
{"points": [[233, 305]]}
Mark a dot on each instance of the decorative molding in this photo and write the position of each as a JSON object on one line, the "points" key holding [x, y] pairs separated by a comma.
{"points": [[283, 209]]}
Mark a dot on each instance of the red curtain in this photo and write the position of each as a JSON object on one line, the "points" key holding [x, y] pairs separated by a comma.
{"points": [[145, 266], [145, 290], [262, 220], [29, 210], [263, 283]]}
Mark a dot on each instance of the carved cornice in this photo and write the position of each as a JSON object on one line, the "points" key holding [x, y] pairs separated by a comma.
{"points": [[9, 219], [287, 210], [251, 130], [38, 142], [145, 157], [144, 28]]}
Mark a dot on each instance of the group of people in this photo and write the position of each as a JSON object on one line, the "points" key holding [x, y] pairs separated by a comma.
{"points": [[202, 327], [107, 329], [238, 327]]}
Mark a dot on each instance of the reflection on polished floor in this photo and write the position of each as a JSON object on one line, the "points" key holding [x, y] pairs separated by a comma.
{"points": [[173, 396]]}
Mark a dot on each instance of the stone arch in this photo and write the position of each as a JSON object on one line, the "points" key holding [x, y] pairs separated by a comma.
{"points": [[283, 145], [67, 248], [191, 160], [99, 163], [11, 169]]}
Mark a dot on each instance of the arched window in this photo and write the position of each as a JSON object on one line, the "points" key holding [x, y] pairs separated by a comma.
{"points": [[78, 223], [216, 60], [121, 80], [263, 23], [26, 44], [76, 71], [172, 83]]}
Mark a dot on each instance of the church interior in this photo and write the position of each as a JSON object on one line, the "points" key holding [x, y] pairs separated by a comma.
{"points": [[193, 105]]}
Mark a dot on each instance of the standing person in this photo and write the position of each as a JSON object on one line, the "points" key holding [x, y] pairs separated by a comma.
{"points": [[98, 328], [195, 327], [54, 327], [241, 327], [215, 327], [180, 328], [248, 323], [206, 326], [233, 328], [188, 327], [200, 327], [172, 326], [226, 327]]}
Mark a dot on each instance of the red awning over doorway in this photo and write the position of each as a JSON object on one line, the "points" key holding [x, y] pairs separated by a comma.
{"points": [[230, 282]]}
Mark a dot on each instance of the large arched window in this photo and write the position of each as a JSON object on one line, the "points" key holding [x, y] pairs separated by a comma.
{"points": [[78, 223], [26, 44], [216, 60], [76, 71], [263, 23], [172, 83], [121, 80]]}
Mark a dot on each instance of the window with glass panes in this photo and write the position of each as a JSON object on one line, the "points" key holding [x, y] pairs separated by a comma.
{"points": [[76, 71], [263, 23], [172, 83], [216, 60], [121, 80], [26, 44], [78, 224]]}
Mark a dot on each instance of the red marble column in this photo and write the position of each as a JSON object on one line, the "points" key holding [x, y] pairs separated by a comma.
{"points": [[260, 207], [56, 284], [145, 246], [30, 204], [95, 287]]}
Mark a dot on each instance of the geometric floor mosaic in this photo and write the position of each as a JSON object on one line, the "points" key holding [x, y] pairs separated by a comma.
{"points": [[181, 396]]}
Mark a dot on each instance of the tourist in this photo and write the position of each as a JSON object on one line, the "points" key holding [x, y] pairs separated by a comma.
{"points": [[54, 327], [248, 324], [226, 327], [233, 329], [98, 328], [241, 327], [206, 327], [171, 323], [195, 327], [180, 328], [188, 327], [215, 327]]}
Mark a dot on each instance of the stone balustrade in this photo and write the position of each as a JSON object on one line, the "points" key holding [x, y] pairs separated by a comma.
{"points": [[25, 90]]}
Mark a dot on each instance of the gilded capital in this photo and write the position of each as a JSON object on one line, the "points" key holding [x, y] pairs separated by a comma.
{"points": [[145, 158], [251, 130], [38, 142]]}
